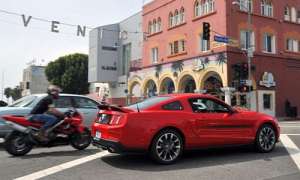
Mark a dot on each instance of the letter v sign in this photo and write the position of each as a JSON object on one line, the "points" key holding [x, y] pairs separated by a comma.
{"points": [[26, 21]]}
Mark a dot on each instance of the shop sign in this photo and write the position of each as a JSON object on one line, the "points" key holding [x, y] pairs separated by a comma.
{"points": [[267, 80], [199, 64]]}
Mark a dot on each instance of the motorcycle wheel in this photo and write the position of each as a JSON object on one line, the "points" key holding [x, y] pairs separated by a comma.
{"points": [[17, 145], [81, 141]]}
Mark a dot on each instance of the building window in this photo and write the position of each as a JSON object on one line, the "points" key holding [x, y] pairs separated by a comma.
{"points": [[150, 27], [267, 98], [293, 14], [177, 47], [176, 18], [171, 23], [298, 16], [266, 8], [126, 58], [246, 5], [154, 55], [198, 10], [292, 45], [182, 17], [159, 24], [204, 44], [203, 7], [154, 24], [287, 14], [269, 43], [247, 40]]}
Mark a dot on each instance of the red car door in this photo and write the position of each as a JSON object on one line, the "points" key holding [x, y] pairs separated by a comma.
{"points": [[216, 124]]}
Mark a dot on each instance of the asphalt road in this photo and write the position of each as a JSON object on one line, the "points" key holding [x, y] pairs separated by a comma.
{"points": [[213, 164]]}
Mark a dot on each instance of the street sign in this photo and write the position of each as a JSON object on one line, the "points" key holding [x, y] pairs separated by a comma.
{"points": [[222, 39]]}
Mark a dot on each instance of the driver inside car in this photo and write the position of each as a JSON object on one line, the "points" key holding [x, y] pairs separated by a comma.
{"points": [[45, 113]]}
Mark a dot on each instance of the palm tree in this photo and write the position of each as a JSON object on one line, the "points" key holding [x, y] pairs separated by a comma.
{"points": [[177, 66], [158, 69], [221, 60]]}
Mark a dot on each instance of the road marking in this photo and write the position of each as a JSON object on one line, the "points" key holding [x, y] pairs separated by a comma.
{"points": [[61, 167], [290, 126], [292, 149], [292, 134]]}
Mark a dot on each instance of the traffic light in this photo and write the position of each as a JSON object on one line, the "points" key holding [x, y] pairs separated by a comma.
{"points": [[206, 31], [245, 88]]}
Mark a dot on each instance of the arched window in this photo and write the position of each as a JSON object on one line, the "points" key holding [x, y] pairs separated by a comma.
{"points": [[159, 24], [154, 26], [150, 27], [176, 17], [266, 8], [287, 13], [182, 17], [197, 9], [246, 5], [171, 20], [211, 6], [204, 5]]}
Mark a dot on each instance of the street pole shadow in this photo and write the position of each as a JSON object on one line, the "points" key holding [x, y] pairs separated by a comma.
{"points": [[194, 159]]}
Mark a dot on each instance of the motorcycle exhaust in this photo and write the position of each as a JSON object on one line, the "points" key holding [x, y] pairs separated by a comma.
{"points": [[17, 127]]}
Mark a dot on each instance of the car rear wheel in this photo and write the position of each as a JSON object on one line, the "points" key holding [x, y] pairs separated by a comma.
{"points": [[167, 147], [265, 139]]}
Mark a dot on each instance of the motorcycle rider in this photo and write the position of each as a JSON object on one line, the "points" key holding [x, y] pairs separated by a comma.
{"points": [[45, 112]]}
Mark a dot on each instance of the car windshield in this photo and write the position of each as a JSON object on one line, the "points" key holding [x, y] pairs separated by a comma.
{"points": [[148, 102], [24, 102]]}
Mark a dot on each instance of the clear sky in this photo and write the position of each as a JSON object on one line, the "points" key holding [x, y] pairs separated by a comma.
{"points": [[19, 45]]}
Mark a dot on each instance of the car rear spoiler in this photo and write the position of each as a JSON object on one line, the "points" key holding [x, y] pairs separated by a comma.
{"points": [[108, 107]]}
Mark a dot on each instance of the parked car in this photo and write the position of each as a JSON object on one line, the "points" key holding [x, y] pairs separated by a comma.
{"points": [[167, 125], [86, 106], [3, 104]]}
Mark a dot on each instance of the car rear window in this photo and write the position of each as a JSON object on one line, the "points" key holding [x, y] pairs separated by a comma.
{"points": [[24, 102], [148, 102]]}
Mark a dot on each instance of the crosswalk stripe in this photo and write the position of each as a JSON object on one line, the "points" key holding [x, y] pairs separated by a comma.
{"points": [[61, 167], [292, 149]]}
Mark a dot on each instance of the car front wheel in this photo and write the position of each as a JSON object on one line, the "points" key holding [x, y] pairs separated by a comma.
{"points": [[265, 139], [167, 147]]}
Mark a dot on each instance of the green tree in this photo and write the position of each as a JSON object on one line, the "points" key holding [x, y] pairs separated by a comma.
{"points": [[70, 73], [7, 92], [16, 93]]}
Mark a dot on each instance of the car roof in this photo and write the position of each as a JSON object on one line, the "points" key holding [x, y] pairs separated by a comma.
{"points": [[187, 95], [72, 95]]}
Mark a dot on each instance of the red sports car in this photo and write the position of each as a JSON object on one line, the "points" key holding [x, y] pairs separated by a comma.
{"points": [[167, 125]]}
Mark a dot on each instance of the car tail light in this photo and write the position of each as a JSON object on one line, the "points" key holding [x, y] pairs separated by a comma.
{"points": [[103, 118], [110, 119], [117, 120]]}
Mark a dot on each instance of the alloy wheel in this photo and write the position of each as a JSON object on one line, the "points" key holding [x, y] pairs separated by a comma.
{"points": [[267, 138], [168, 147]]}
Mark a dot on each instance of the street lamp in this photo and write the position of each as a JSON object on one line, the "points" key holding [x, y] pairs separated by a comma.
{"points": [[249, 49]]}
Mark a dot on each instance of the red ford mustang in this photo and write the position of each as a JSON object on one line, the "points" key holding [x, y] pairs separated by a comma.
{"points": [[167, 125]]}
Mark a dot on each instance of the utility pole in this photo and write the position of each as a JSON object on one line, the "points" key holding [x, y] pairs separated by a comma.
{"points": [[250, 46]]}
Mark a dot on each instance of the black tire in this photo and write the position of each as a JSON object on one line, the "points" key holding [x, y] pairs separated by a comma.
{"points": [[81, 141], [167, 147], [17, 144], [265, 140]]}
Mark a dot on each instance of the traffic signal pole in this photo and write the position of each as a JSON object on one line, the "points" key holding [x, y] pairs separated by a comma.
{"points": [[249, 56]]}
